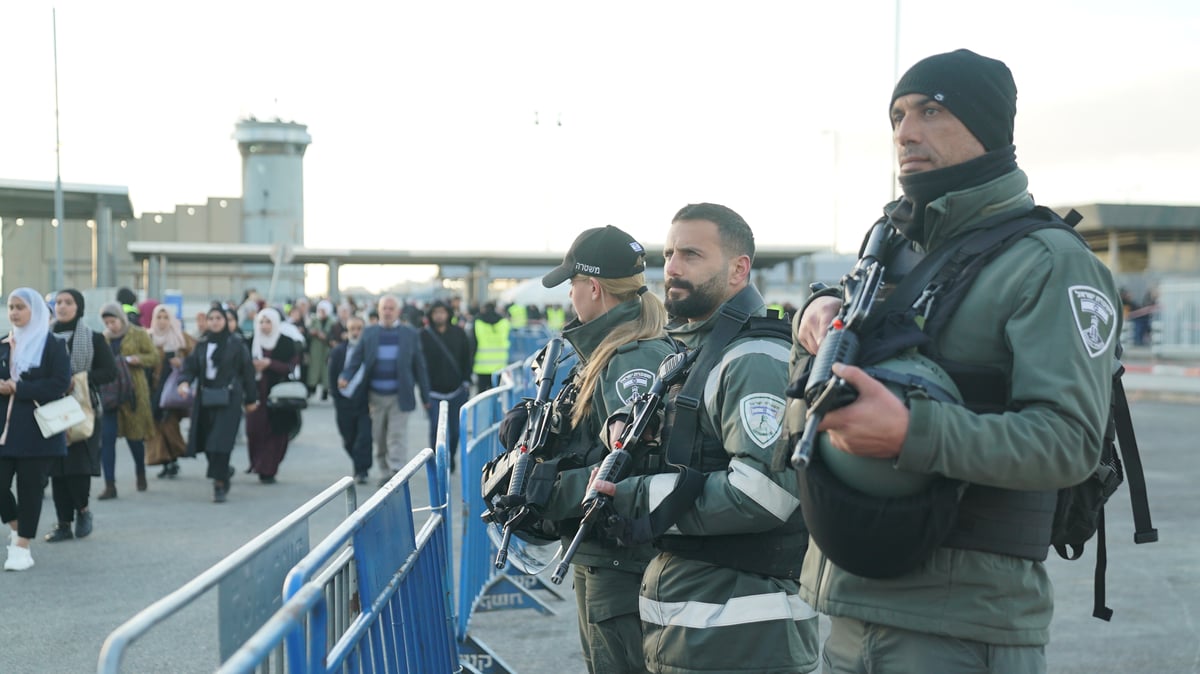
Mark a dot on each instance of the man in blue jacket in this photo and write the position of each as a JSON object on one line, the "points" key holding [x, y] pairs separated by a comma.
{"points": [[350, 404], [393, 363]]}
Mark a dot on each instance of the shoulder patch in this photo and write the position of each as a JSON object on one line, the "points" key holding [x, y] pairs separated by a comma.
{"points": [[762, 417], [633, 384], [1095, 318]]}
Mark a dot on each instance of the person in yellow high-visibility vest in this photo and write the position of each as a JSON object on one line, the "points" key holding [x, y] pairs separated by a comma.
{"points": [[491, 345], [556, 318], [518, 316]]}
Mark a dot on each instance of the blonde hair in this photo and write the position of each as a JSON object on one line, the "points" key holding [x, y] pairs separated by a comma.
{"points": [[650, 324]]}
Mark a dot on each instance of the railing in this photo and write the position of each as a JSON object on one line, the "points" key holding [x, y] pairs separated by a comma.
{"points": [[400, 619], [247, 582], [1178, 324]]}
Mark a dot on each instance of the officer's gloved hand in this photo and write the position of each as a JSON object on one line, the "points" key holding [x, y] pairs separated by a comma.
{"points": [[624, 531], [513, 425]]}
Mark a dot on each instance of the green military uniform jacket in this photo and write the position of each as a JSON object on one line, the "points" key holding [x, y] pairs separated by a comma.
{"points": [[626, 377], [1045, 313], [698, 617]]}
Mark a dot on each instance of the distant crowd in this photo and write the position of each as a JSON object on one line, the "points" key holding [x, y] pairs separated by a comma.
{"points": [[144, 374]]}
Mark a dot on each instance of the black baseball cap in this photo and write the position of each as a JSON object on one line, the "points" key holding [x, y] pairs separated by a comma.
{"points": [[603, 252]]}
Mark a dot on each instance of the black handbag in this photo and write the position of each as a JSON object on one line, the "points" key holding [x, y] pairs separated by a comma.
{"points": [[214, 396]]}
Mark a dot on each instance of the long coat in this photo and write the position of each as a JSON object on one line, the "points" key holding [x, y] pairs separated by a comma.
{"points": [[214, 429], [44, 384], [83, 457], [136, 422]]}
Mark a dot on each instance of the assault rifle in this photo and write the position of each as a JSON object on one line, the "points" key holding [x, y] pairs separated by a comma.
{"points": [[824, 390], [533, 437], [619, 462]]}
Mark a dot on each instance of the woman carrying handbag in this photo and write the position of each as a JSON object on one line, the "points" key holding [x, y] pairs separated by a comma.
{"points": [[34, 369], [71, 475], [169, 408], [224, 386], [277, 349]]}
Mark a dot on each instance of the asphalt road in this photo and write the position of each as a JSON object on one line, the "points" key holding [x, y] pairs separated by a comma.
{"points": [[56, 615]]}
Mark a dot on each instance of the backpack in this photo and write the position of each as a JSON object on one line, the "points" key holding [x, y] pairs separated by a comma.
{"points": [[1079, 510], [120, 390]]}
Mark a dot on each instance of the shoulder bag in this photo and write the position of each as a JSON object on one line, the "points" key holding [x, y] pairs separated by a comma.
{"points": [[55, 417], [82, 395]]}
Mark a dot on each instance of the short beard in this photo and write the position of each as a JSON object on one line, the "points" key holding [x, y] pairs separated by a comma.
{"points": [[700, 302]]}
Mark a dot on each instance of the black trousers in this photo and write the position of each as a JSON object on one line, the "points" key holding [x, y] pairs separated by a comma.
{"points": [[355, 428], [26, 506], [218, 466], [70, 495]]}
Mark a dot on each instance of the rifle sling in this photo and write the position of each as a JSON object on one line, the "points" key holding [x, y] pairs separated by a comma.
{"points": [[733, 315]]}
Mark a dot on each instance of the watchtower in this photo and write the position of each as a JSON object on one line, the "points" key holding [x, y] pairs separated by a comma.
{"points": [[273, 195]]}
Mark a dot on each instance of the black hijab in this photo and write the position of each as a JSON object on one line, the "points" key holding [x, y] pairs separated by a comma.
{"points": [[69, 326]]}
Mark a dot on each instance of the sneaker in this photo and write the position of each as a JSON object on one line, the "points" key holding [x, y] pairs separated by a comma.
{"points": [[173, 470], [218, 493], [83, 524], [60, 532], [165, 472], [361, 478], [19, 559]]}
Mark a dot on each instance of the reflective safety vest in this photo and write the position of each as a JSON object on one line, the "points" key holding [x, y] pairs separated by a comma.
{"points": [[517, 315], [491, 340], [556, 318]]}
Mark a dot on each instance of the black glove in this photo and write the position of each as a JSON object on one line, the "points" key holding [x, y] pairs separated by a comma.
{"points": [[513, 425], [624, 531]]}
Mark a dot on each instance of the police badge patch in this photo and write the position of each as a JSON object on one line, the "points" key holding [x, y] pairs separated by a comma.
{"points": [[633, 384], [762, 417], [1095, 318]]}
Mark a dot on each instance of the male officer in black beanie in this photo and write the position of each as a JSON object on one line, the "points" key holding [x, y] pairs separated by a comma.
{"points": [[1037, 325]]}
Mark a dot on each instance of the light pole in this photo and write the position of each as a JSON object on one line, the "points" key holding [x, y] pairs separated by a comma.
{"points": [[59, 281]]}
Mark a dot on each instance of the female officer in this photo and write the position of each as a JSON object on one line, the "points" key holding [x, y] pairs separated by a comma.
{"points": [[620, 339]]}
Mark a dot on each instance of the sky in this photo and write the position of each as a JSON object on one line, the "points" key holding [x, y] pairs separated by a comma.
{"points": [[423, 114]]}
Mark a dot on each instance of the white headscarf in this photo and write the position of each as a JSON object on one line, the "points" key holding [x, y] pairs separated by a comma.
{"points": [[327, 306], [265, 342], [29, 342]]}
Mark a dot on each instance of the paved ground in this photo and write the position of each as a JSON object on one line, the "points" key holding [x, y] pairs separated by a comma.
{"points": [[146, 545]]}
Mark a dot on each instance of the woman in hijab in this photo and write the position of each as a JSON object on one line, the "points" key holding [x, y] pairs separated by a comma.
{"points": [[320, 344], [220, 362], [71, 476], [275, 353], [34, 369], [173, 346], [132, 420]]}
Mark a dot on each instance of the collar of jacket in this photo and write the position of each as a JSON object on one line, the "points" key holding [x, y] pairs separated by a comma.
{"points": [[693, 334], [958, 212], [585, 337]]}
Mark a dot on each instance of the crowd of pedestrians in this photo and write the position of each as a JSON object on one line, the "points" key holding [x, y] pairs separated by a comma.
{"points": [[170, 392]]}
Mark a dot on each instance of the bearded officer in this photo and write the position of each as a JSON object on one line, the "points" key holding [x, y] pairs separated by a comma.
{"points": [[722, 594]]}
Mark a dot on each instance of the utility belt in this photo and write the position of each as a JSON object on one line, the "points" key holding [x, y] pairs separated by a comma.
{"points": [[778, 553]]}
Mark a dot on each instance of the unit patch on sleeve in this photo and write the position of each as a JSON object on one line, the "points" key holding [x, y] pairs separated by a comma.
{"points": [[632, 384], [1095, 318], [762, 417]]}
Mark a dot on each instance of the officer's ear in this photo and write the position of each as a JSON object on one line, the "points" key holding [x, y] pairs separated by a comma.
{"points": [[739, 270]]}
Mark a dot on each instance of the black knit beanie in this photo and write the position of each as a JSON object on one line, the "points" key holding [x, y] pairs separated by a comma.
{"points": [[979, 91]]}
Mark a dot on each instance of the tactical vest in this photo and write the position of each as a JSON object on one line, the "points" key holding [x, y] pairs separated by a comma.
{"points": [[778, 552]]}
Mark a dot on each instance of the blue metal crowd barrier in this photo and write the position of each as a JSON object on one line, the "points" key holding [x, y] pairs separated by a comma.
{"points": [[482, 587], [524, 342], [247, 583], [400, 619]]}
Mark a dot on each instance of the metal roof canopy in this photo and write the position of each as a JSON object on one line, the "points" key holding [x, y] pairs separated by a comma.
{"points": [[207, 253], [35, 199], [1136, 217]]}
